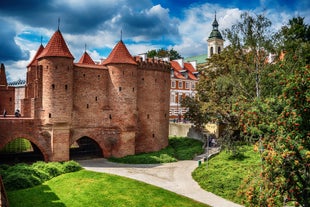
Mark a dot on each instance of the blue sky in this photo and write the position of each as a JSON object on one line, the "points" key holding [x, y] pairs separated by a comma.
{"points": [[183, 25]]}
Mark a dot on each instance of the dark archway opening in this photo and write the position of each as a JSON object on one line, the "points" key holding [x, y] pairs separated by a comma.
{"points": [[20, 150], [85, 148]]}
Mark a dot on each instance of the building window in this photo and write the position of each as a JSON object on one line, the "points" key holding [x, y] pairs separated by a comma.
{"points": [[193, 85], [96, 98], [180, 84], [187, 85], [218, 50], [172, 98], [49, 115], [148, 116], [53, 86], [211, 51], [172, 84], [120, 89], [66, 87], [110, 116], [133, 89], [87, 106]]}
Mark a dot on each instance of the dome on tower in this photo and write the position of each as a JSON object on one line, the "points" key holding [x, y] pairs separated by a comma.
{"points": [[215, 32]]}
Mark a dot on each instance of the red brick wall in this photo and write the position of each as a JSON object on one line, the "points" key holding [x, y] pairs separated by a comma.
{"points": [[7, 100], [57, 83], [153, 107]]}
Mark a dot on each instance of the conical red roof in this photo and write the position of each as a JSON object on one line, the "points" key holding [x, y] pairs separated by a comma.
{"points": [[35, 60], [86, 59], [120, 54], [3, 81], [56, 47]]}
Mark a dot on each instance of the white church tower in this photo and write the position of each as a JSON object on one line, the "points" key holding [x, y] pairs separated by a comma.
{"points": [[215, 40]]}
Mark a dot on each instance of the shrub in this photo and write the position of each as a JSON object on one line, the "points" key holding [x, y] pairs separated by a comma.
{"points": [[17, 180], [24, 176], [71, 166]]}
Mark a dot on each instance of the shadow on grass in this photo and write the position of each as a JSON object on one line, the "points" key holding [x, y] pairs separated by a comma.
{"points": [[34, 197], [238, 156]]}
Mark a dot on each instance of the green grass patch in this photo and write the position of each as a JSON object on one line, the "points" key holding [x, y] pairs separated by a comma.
{"points": [[225, 172], [179, 148], [86, 188], [22, 175]]}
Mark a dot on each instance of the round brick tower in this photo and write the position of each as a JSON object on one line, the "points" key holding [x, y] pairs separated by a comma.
{"points": [[123, 96], [56, 62], [57, 80]]}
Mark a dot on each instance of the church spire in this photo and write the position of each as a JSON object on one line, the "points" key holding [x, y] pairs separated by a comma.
{"points": [[215, 32]]}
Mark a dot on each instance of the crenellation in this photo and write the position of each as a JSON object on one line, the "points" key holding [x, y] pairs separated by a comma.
{"points": [[120, 103]]}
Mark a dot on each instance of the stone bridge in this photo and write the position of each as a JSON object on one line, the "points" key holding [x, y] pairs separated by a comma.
{"points": [[54, 141]]}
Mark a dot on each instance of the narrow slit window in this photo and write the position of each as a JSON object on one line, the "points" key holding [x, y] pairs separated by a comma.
{"points": [[53, 86], [110, 116], [49, 115], [148, 116], [96, 98], [87, 106], [66, 87], [120, 88]]}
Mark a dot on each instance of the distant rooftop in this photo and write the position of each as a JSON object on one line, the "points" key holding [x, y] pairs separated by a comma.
{"points": [[199, 58], [17, 83]]}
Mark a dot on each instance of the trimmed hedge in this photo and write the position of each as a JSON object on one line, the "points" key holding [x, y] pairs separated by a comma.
{"points": [[22, 176]]}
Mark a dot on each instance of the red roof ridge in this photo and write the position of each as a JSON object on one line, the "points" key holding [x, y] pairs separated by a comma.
{"points": [[56, 47], [35, 58], [120, 54], [86, 59]]}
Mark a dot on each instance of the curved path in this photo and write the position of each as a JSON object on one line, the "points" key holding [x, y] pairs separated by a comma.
{"points": [[175, 177]]}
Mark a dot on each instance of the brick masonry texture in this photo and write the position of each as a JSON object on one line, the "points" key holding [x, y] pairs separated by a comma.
{"points": [[122, 106]]}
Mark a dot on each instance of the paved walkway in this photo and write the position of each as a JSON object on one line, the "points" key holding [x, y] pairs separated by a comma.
{"points": [[175, 177]]}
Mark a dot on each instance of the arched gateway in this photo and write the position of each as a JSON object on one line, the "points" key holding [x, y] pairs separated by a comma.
{"points": [[120, 106]]}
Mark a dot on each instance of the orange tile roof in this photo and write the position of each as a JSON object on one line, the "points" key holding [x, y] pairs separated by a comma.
{"points": [[177, 74], [34, 61], [175, 65], [189, 67], [86, 59], [56, 47], [192, 76], [120, 54]]}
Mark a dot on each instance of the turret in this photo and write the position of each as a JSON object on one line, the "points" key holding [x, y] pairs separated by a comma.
{"points": [[123, 95], [215, 40], [56, 62]]}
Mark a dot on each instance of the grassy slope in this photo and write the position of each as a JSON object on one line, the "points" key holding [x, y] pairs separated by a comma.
{"points": [[85, 188], [179, 148], [225, 173]]}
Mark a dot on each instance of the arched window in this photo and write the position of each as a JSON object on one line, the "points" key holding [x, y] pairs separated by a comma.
{"points": [[211, 51], [218, 50]]}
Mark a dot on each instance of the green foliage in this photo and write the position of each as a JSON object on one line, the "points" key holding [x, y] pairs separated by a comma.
{"points": [[195, 113], [71, 166], [86, 188], [17, 145], [162, 53], [179, 149], [23, 175], [226, 171], [282, 121]]}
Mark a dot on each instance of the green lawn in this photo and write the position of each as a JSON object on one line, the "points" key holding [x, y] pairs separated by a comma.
{"points": [[86, 188], [180, 148], [225, 172]]}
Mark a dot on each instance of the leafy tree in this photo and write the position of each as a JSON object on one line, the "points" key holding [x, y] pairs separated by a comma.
{"points": [[237, 75], [162, 53], [283, 121]]}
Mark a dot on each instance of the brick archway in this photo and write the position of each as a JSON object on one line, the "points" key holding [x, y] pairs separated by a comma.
{"points": [[32, 140], [94, 142]]}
